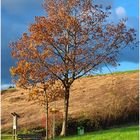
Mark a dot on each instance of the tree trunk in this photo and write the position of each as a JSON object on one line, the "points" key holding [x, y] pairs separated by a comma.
{"points": [[47, 121], [65, 115], [47, 117], [53, 130]]}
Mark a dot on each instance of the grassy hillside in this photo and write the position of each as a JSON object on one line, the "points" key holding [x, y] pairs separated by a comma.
{"points": [[124, 133], [95, 102], [118, 72]]}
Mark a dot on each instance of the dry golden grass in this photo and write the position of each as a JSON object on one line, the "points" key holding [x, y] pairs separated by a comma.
{"points": [[106, 95]]}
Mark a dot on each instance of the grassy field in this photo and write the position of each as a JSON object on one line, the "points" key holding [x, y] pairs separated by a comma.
{"points": [[124, 133], [6, 137], [119, 72], [93, 101]]}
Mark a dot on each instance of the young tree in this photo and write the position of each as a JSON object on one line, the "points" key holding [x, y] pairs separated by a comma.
{"points": [[43, 91], [29, 74], [73, 40], [45, 94]]}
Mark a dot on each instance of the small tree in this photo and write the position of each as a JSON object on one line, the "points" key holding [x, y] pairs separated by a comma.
{"points": [[29, 75], [45, 94], [73, 40]]}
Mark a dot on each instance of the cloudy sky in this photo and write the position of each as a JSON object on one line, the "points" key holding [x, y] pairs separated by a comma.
{"points": [[16, 15]]}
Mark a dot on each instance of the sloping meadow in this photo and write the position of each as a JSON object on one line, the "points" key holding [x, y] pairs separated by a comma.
{"points": [[96, 102]]}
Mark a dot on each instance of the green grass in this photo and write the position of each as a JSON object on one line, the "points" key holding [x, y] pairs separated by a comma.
{"points": [[123, 72], [6, 137], [125, 133], [118, 72]]}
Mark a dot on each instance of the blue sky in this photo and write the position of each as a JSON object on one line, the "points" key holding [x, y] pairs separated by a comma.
{"points": [[16, 15]]}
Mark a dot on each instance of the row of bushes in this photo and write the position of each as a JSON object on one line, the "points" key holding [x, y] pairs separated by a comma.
{"points": [[91, 124]]}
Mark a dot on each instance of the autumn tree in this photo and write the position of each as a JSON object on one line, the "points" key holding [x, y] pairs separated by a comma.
{"points": [[72, 40], [43, 91], [44, 94]]}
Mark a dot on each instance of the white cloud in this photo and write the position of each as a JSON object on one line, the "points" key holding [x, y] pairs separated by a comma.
{"points": [[120, 11]]}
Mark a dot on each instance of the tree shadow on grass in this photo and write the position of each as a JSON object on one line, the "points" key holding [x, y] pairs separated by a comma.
{"points": [[120, 130]]}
